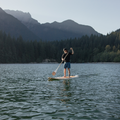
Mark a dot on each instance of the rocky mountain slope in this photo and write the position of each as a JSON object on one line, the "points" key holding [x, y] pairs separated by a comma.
{"points": [[11, 25]]}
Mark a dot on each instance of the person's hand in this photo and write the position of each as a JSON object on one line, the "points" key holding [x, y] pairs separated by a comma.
{"points": [[71, 48], [62, 59]]}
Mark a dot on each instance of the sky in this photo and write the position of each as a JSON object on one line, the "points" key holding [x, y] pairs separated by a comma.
{"points": [[102, 15]]}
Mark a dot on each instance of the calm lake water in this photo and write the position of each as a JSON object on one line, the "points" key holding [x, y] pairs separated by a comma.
{"points": [[26, 93]]}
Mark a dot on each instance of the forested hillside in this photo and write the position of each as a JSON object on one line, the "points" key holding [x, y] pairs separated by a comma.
{"points": [[87, 49]]}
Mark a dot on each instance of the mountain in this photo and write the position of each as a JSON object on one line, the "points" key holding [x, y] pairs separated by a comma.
{"points": [[14, 27], [71, 26], [22, 16], [53, 31]]}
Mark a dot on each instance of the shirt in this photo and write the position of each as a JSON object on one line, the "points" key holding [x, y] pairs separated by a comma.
{"points": [[67, 59]]}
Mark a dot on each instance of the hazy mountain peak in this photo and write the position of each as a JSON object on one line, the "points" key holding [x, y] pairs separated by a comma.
{"points": [[22, 16], [69, 21], [66, 22], [10, 25], [1, 10]]}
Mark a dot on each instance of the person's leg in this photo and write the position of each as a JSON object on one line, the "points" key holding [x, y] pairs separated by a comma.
{"points": [[69, 69], [65, 66], [69, 72], [64, 72]]}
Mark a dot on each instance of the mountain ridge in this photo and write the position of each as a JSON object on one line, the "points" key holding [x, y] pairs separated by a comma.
{"points": [[53, 31], [72, 26]]}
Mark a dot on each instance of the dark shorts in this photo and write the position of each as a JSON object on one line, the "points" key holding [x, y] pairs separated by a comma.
{"points": [[66, 65]]}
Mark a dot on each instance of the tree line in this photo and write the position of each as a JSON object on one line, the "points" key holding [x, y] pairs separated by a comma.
{"points": [[87, 49]]}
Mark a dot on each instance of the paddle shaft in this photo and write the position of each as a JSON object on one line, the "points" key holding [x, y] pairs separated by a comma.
{"points": [[61, 62]]}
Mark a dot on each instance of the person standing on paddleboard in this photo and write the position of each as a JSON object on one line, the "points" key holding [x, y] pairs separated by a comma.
{"points": [[66, 58]]}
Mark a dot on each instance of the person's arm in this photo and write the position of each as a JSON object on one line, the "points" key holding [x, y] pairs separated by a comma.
{"points": [[72, 50]]}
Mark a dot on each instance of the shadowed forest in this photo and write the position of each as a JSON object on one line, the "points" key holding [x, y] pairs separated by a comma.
{"points": [[87, 49]]}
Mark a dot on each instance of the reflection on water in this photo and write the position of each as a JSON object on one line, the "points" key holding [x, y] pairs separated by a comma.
{"points": [[66, 91], [26, 93]]}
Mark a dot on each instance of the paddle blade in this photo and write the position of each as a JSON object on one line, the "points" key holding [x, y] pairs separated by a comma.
{"points": [[54, 73]]}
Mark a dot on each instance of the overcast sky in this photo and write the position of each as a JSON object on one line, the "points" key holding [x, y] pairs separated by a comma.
{"points": [[102, 15]]}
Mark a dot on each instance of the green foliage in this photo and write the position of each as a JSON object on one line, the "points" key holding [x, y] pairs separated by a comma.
{"points": [[107, 48], [86, 49]]}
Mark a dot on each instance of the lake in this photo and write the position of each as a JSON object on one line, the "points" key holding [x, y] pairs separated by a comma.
{"points": [[26, 93]]}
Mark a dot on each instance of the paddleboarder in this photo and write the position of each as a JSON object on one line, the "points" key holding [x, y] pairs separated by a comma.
{"points": [[66, 58]]}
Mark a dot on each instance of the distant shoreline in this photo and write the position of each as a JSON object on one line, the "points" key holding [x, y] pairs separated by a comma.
{"points": [[59, 63]]}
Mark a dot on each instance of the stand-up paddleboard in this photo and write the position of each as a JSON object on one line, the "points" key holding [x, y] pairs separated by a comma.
{"points": [[62, 78]]}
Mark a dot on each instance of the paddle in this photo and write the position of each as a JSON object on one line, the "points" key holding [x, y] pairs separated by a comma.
{"points": [[59, 65]]}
